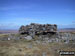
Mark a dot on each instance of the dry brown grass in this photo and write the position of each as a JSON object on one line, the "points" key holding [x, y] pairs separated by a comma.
{"points": [[22, 48], [8, 48]]}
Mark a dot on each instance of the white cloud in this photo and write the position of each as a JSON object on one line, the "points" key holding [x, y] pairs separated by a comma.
{"points": [[9, 26], [67, 26]]}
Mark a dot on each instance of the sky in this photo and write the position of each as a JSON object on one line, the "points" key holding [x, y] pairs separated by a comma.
{"points": [[14, 13]]}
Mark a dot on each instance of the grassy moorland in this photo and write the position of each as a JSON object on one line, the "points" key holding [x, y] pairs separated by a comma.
{"points": [[32, 48]]}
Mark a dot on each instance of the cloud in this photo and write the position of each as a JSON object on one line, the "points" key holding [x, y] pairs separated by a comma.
{"points": [[70, 11], [9, 26], [13, 8], [67, 26], [73, 22], [32, 19]]}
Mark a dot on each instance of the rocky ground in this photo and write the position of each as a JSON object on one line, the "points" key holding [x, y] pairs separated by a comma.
{"points": [[23, 45]]}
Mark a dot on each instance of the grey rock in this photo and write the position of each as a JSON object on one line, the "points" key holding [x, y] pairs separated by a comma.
{"points": [[34, 29], [28, 38]]}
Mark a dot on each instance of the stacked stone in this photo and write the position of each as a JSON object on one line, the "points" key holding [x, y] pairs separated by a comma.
{"points": [[34, 28]]}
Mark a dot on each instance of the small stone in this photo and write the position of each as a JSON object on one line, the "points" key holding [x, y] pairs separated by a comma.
{"points": [[28, 38]]}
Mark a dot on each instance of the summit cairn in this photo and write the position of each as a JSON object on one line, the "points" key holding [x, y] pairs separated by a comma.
{"points": [[38, 29]]}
